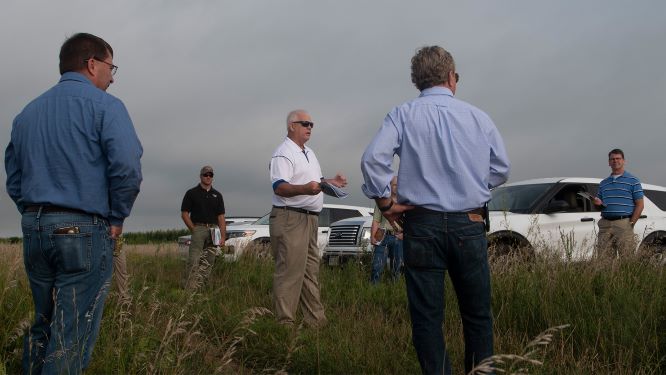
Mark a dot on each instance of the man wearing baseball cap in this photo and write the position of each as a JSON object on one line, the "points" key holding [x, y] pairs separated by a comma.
{"points": [[201, 210]]}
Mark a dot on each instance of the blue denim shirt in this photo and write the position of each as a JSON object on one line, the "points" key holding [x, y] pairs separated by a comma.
{"points": [[75, 146], [450, 152]]}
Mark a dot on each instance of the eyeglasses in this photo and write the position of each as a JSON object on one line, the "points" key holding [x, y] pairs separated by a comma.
{"points": [[457, 77], [114, 68], [305, 124], [207, 175]]}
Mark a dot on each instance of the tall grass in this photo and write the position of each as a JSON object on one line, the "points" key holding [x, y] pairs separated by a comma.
{"points": [[615, 312]]}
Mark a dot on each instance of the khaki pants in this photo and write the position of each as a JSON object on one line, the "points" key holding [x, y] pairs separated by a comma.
{"points": [[296, 277], [616, 237], [201, 258]]}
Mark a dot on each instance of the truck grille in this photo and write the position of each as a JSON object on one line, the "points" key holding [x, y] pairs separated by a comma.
{"points": [[343, 235]]}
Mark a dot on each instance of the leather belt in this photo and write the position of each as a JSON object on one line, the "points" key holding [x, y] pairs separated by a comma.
{"points": [[46, 209], [475, 211], [296, 209], [613, 218], [205, 225]]}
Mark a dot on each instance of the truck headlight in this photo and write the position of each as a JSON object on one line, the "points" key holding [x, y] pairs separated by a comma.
{"points": [[365, 234], [236, 234]]}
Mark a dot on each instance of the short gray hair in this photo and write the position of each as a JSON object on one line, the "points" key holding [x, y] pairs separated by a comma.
{"points": [[294, 114]]}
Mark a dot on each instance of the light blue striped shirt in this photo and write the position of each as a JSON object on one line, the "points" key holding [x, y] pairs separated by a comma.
{"points": [[618, 194], [450, 153]]}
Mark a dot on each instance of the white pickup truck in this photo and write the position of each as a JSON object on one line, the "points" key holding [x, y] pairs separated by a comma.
{"points": [[256, 233], [349, 238]]}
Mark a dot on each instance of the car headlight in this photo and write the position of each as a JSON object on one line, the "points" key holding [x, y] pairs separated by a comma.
{"points": [[236, 234], [365, 234]]}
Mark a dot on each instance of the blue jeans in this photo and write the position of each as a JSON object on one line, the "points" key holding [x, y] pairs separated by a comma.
{"points": [[69, 276], [390, 246], [434, 243]]}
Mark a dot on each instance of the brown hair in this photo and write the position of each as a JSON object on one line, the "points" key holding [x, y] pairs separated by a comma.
{"points": [[431, 66], [81, 47]]}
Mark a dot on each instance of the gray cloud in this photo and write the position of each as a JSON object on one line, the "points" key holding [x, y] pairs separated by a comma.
{"points": [[211, 82]]}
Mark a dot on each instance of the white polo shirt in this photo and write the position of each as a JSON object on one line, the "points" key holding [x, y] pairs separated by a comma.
{"points": [[298, 167]]}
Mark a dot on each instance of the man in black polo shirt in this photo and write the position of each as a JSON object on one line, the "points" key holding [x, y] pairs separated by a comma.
{"points": [[202, 210]]}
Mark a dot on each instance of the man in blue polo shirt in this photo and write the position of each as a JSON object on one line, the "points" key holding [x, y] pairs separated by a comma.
{"points": [[621, 198]]}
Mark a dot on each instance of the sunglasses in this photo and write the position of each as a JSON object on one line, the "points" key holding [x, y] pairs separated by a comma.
{"points": [[457, 77], [207, 175], [305, 124]]}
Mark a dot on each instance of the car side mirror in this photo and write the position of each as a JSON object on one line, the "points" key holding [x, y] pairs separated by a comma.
{"points": [[557, 206]]}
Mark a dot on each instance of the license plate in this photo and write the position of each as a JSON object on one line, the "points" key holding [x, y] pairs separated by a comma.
{"points": [[333, 260]]}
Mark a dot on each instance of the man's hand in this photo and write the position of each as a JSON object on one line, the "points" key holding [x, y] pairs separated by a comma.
{"points": [[395, 214], [339, 180], [597, 201], [115, 231]]}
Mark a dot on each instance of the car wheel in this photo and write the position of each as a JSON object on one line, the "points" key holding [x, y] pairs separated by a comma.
{"points": [[509, 249], [653, 247], [259, 248]]}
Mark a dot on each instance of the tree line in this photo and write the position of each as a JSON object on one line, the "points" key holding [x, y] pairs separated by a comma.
{"points": [[132, 238]]}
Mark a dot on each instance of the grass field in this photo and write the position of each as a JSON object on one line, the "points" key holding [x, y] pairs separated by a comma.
{"points": [[615, 312]]}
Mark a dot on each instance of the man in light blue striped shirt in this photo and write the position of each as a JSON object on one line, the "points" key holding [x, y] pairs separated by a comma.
{"points": [[621, 196], [451, 155]]}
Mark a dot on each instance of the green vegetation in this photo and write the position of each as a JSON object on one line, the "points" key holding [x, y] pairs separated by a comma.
{"points": [[616, 312], [154, 237], [132, 238], [11, 240]]}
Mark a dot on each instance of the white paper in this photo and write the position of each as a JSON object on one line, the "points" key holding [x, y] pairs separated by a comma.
{"points": [[216, 236], [333, 190]]}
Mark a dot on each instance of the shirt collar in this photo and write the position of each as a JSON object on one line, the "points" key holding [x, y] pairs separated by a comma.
{"points": [[436, 90], [296, 147], [74, 76]]}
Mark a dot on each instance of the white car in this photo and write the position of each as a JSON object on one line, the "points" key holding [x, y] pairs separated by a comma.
{"points": [[256, 233], [184, 241], [528, 217], [553, 215]]}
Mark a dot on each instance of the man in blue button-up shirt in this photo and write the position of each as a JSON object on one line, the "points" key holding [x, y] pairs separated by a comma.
{"points": [[73, 170], [451, 155]]}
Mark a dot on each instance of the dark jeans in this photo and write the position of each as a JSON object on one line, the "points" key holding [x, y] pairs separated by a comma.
{"points": [[435, 242], [393, 246], [69, 277]]}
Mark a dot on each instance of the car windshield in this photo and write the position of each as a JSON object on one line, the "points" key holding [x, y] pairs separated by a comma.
{"points": [[518, 198], [262, 220]]}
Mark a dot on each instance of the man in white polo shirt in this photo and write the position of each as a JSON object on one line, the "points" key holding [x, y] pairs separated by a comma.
{"points": [[297, 200]]}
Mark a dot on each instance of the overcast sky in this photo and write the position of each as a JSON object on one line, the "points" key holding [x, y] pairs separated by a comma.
{"points": [[211, 82]]}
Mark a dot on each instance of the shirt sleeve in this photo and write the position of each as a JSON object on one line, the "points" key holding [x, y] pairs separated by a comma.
{"points": [[499, 160], [377, 214], [638, 191], [378, 157], [13, 171], [123, 152], [220, 205], [281, 169], [186, 205]]}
